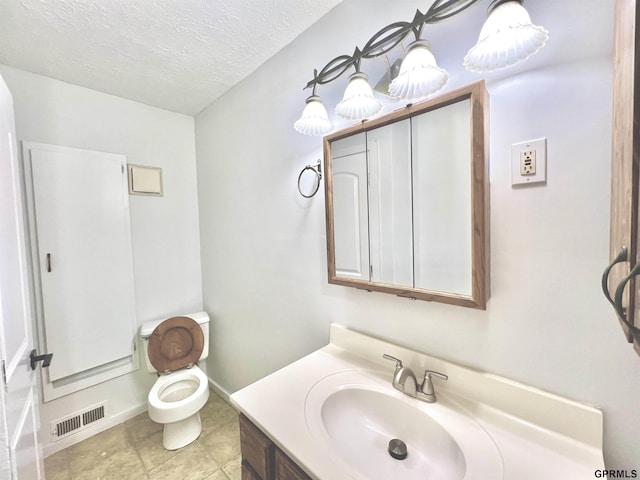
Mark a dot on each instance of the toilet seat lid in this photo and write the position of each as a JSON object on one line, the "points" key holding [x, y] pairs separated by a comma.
{"points": [[176, 343]]}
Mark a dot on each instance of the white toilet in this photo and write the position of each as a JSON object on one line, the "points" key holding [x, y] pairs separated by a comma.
{"points": [[172, 348]]}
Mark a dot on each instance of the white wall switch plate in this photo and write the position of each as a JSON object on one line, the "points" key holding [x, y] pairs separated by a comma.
{"points": [[529, 162]]}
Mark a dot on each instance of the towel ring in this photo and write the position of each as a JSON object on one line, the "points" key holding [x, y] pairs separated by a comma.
{"points": [[317, 173]]}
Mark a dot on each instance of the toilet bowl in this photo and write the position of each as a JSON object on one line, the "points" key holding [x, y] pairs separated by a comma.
{"points": [[173, 347], [175, 400]]}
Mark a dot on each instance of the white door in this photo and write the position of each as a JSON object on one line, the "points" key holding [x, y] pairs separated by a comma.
{"points": [[19, 453]]}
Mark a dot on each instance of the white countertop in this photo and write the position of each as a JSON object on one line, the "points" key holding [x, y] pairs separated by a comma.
{"points": [[539, 435]]}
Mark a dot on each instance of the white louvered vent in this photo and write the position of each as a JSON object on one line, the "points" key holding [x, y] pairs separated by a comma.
{"points": [[73, 423]]}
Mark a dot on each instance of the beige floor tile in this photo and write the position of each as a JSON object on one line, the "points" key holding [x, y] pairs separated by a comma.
{"points": [[152, 452], [190, 463], [134, 451], [121, 465], [233, 468], [56, 466], [111, 439], [96, 449], [141, 426], [224, 442], [216, 413], [218, 475]]}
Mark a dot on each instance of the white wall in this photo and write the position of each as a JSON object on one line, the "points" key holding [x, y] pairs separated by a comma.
{"points": [[165, 235], [547, 323]]}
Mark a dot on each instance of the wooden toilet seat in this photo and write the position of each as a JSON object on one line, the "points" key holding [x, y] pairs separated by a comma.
{"points": [[176, 343]]}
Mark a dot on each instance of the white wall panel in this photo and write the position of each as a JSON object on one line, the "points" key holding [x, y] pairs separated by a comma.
{"points": [[83, 253]]}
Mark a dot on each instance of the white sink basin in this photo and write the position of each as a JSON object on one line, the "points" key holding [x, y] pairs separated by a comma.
{"points": [[354, 414]]}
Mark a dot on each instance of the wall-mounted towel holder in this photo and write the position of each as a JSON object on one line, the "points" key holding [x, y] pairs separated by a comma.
{"points": [[310, 189]]}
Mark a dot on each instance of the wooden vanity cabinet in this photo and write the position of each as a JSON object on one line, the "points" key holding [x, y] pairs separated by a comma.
{"points": [[286, 469], [261, 459], [258, 452]]}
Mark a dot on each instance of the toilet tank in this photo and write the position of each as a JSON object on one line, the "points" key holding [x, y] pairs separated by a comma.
{"points": [[147, 328]]}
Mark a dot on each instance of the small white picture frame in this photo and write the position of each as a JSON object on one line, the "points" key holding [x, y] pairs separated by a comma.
{"points": [[145, 180]]}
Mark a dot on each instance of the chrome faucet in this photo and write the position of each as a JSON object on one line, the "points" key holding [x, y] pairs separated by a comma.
{"points": [[404, 380]]}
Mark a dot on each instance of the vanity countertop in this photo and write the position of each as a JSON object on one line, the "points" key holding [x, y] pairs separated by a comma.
{"points": [[538, 434]]}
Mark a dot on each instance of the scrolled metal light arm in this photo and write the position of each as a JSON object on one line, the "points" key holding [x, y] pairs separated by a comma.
{"points": [[387, 39]]}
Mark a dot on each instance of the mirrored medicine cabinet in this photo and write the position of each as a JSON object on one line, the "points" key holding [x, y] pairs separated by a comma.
{"points": [[407, 201]]}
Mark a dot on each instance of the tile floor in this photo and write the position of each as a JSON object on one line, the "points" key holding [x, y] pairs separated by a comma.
{"points": [[133, 451]]}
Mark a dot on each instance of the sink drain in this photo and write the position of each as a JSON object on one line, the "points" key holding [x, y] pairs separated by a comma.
{"points": [[397, 449]]}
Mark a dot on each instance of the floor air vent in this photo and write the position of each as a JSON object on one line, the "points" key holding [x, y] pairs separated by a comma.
{"points": [[78, 421]]}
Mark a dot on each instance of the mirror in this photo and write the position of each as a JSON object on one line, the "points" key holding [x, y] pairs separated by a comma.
{"points": [[407, 201]]}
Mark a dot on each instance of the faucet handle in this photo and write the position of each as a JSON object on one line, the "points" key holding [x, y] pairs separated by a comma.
{"points": [[394, 359], [427, 384]]}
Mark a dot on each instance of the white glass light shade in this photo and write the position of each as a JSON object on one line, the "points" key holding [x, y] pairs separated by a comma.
{"points": [[507, 37], [358, 102], [419, 74], [314, 120]]}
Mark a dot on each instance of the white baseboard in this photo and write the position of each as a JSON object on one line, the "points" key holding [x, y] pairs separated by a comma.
{"points": [[225, 394]]}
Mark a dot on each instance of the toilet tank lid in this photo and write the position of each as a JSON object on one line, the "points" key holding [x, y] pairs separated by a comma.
{"points": [[147, 328]]}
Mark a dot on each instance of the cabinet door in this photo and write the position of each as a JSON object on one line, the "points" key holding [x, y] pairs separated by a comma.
{"points": [[248, 473], [287, 470], [626, 159], [257, 452], [261, 460]]}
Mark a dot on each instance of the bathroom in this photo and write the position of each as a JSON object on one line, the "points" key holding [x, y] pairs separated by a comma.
{"points": [[233, 237]]}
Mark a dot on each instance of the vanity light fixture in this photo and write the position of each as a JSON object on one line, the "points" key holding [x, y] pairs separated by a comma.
{"points": [[315, 119], [419, 74], [507, 37], [358, 102]]}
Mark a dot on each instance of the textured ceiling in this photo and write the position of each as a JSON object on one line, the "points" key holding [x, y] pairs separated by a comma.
{"points": [[174, 54]]}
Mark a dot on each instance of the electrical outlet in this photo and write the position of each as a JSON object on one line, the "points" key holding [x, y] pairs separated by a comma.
{"points": [[529, 162]]}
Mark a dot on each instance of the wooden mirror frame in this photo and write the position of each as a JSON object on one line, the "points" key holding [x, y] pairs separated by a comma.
{"points": [[480, 267]]}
